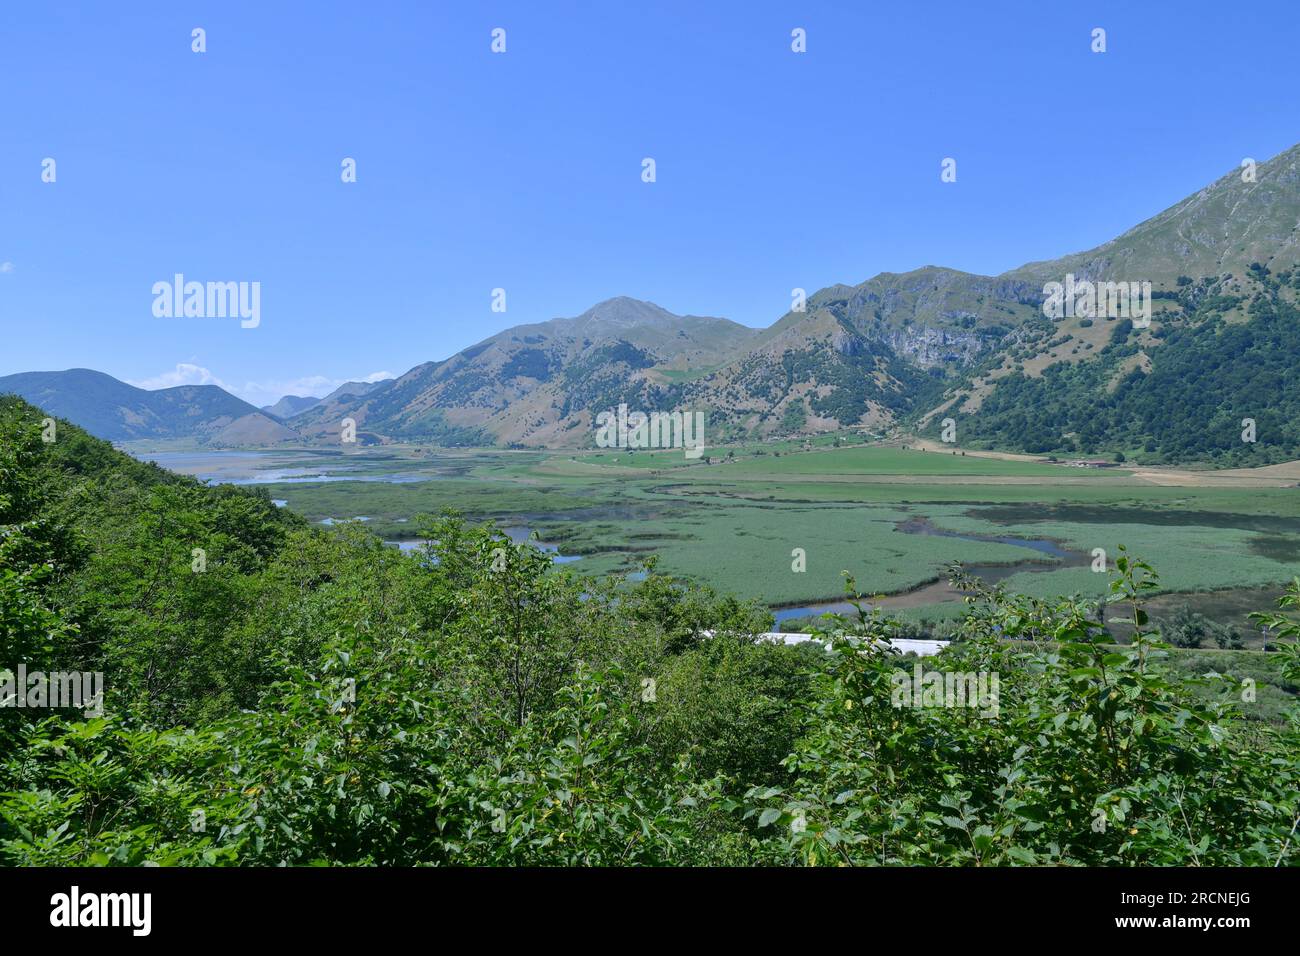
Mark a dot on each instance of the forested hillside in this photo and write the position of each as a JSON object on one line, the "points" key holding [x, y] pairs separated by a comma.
{"points": [[282, 694], [1221, 359]]}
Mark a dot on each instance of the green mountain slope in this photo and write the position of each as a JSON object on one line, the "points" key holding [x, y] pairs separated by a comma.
{"points": [[1219, 230], [1223, 268], [115, 411], [1188, 392]]}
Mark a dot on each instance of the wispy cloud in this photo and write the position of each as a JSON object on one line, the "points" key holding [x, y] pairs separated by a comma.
{"points": [[6, 268], [183, 374], [266, 392]]}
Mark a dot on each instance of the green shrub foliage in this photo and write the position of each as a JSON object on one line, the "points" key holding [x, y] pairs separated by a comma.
{"points": [[311, 697]]}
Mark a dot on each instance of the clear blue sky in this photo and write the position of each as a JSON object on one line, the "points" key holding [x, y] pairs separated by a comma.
{"points": [[523, 170]]}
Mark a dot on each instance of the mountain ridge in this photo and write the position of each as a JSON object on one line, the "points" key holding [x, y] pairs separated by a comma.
{"points": [[115, 411], [897, 351]]}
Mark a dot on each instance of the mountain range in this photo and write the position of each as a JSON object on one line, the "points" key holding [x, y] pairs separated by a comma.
{"points": [[291, 405], [114, 410], [897, 351]]}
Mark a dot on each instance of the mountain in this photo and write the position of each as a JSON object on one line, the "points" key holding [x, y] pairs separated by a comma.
{"points": [[289, 406], [116, 411], [538, 384], [914, 348], [1203, 386], [866, 355], [898, 352], [1221, 229], [292, 405], [354, 389], [1223, 269], [254, 429]]}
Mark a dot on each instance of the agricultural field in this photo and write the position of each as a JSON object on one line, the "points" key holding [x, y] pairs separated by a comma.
{"points": [[783, 523]]}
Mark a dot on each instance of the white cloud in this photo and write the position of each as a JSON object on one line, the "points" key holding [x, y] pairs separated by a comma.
{"points": [[6, 267], [183, 374], [266, 392]]}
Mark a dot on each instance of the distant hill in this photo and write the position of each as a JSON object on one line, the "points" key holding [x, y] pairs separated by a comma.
{"points": [[292, 405], [355, 389], [289, 406], [115, 411]]}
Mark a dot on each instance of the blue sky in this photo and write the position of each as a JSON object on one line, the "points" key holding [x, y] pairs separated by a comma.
{"points": [[522, 170]]}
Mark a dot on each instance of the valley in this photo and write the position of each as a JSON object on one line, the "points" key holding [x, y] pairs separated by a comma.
{"points": [[635, 445], [894, 516]]}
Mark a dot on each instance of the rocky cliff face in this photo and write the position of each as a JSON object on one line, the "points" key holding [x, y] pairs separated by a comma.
{"points": [[929, 347]]}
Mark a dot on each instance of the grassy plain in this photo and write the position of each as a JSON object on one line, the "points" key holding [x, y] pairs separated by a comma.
{"points": [[747, 518]]}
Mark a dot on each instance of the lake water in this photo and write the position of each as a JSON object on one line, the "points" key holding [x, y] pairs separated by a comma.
{"points": [[297, 476], [519, 534], [267, 468]]}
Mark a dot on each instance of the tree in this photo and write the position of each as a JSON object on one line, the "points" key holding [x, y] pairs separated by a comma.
{"points": [[1187, 628]]}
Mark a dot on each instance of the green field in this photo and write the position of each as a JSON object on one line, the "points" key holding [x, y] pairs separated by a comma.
{"points": [[735, 519]]}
